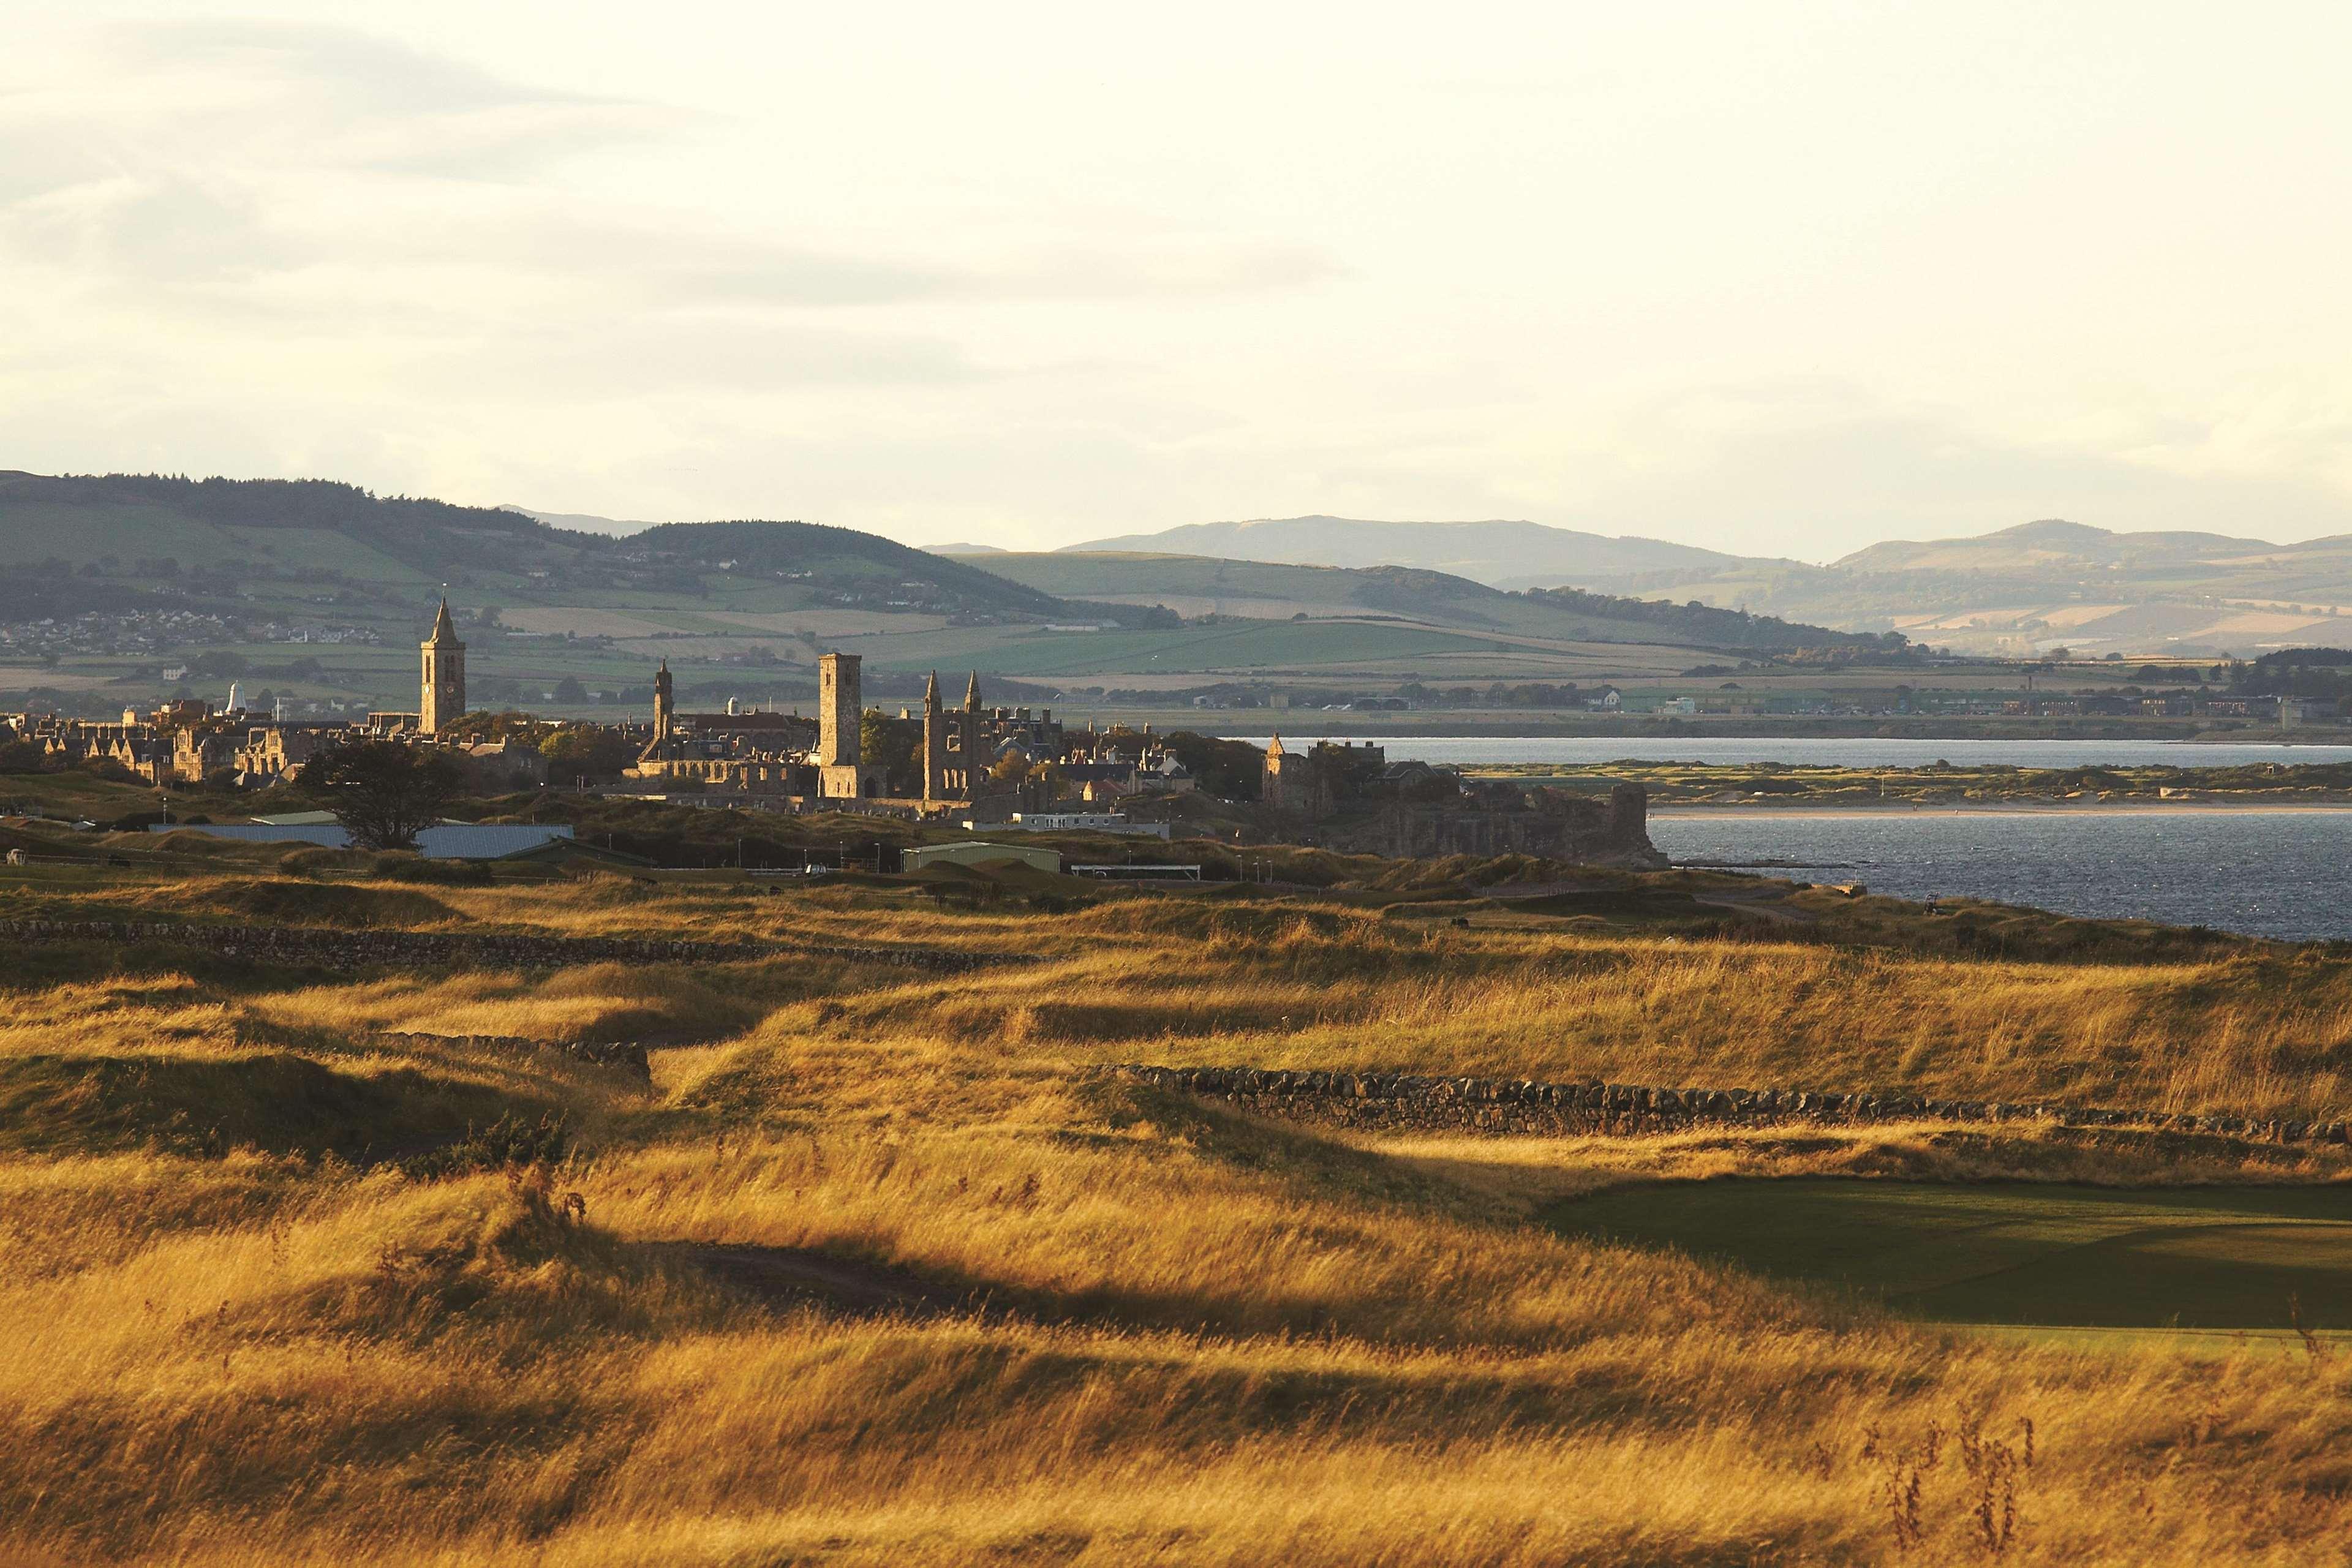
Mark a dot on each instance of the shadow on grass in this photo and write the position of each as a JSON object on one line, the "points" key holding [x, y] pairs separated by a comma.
{"points": [[273, 1101]]}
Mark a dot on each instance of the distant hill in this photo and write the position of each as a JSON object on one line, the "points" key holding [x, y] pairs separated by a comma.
{"points": [[123, 587], [2049, 542], [1196, 587], [2053, 583], [154, 531], [2020, 590], [964, 549], [1500, 553], [580, 521], [864, 564]]}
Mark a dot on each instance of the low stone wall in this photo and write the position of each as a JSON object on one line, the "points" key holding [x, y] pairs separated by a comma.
{"points": [[466, 949], [1399, 1102], [624, 1055]]}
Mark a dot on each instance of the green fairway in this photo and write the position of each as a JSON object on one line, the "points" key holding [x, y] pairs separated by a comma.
{"points": [[2207, 1258]]}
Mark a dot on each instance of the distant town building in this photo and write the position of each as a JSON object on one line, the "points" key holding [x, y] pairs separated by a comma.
{"points": [[842, 772], [441, 696]]}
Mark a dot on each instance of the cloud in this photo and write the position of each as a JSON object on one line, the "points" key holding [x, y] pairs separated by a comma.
{"points": [[711, 355], [221, 175], [380, 102]]}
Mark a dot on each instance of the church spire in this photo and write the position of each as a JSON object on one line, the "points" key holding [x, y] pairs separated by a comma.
{"points": [[971, 694], [931, 691], [445, 630]]}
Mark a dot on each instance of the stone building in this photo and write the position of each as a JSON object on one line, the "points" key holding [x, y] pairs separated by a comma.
{"points": [[842, 773], [935, 743], [1313, 783], [960, 746], [1351, 798], [275, 752], [441, 695], [1499, 818], [756, 753]]}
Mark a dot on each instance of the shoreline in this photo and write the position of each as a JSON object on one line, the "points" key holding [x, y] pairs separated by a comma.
{"points": [[1312, 724], [1996, 808]]}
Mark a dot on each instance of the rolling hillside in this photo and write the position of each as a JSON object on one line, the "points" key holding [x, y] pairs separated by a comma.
{"points": [[2050, 584], [1500, 553], [2052, 543], [318, 591], [150, 534], [2017, 590], [1195, 587], [133, 587]]}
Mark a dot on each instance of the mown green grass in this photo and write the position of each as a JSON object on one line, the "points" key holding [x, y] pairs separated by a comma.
{"points": [[2212, 1258]]}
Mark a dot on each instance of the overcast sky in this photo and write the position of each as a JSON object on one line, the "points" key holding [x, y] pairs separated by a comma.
{"points": [[1779, 279]]}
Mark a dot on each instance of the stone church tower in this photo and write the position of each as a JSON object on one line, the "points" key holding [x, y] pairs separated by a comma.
{"points": [[935, 743], [842, 770], [443, 694]]}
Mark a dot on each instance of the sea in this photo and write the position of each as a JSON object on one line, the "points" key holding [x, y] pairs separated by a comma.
{"points": [[1831, 753], [2275, 873], [2286, 874]]}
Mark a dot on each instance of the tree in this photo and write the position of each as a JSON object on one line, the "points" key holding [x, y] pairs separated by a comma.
{"points": [[380, 790], [590, 750], [1230, 770], [894, 745]]}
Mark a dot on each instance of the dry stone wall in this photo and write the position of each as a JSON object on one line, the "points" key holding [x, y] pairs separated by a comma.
{"points": [[623, 1056], [1399, 1102], [469, 950]]}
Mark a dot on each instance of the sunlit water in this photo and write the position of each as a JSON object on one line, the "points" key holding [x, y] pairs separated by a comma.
{"points": [[1860, 753], [2265, 873]]}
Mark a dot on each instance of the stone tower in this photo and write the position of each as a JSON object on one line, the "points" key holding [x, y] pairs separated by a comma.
{"points": [[935, 743], [665, 707], [975, 767], [441, 695], [840, 718], [1274, 787], [840, 709]]}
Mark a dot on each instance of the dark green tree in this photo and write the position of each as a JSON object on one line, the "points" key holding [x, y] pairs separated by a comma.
{"points": [[380, 790], [894, 745], [589, 750]]}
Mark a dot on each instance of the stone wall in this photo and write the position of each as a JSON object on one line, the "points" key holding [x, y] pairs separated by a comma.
{"points": [[1398, 1102], [318, 945], [1504, 819], [623, 1056]]}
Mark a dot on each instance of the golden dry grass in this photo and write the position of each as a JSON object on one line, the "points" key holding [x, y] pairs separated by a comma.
{"points": [[1209, 1340]]}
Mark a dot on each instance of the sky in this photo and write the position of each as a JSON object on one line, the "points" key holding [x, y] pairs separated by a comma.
{"points": [[1780, 280]]}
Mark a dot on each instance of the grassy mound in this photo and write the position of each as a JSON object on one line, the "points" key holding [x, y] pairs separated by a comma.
{"points": [[274, 1101], [345, 904]]}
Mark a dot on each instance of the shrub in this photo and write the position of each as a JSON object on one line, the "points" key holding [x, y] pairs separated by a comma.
{"points": [[508, 1142], [398, 868]]}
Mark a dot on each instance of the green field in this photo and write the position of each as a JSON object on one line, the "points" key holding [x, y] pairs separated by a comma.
{"points": [[1303, 645], [2198, 1257]]}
